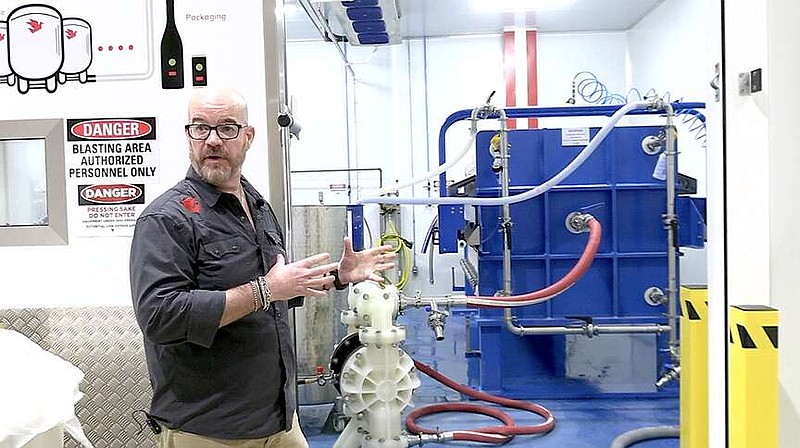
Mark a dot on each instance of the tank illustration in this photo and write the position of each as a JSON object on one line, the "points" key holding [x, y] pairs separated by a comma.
{"points": [[35, 46], [77, 50], [6, 75]]}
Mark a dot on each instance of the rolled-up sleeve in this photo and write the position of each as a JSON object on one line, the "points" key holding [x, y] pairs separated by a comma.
{"points": [[168, 306]]}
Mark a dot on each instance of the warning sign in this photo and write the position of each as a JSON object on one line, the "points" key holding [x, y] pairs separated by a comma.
{"points": [[112, 148], [110, 161], [109, 209]]}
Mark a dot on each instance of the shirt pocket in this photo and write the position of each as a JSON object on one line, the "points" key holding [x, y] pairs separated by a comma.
{"points": [[223, 248], [226, 263]]}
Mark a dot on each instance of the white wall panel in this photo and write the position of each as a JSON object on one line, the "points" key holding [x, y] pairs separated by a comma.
{"points": [[94, 271]]}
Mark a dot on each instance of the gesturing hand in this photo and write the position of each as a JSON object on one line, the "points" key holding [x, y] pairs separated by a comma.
{"points": [[355, 267], [301, 278]]}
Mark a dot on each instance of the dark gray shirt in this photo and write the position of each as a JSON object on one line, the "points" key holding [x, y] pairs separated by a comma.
{"points": [[190, 245]]}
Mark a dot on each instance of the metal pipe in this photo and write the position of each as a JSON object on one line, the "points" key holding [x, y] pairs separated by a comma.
{"points": [[504, 185], [671, 224], [419, 302], [589, 329]]}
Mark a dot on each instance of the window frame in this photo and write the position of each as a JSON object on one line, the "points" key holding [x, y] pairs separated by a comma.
{"points": [[55, 232]]}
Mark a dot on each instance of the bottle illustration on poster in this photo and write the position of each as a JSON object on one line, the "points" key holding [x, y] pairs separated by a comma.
{"points": [[171, 52], [40, 49]]}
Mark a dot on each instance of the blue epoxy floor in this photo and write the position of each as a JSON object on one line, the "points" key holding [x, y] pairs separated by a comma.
{"points": [[579, 423]]}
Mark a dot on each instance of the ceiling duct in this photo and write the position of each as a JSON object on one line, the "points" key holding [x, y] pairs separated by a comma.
{"points": [[368, 22]]}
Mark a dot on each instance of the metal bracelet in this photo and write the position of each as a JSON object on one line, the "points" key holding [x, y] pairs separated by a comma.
{"points": [[266, 294], [254, 288]]}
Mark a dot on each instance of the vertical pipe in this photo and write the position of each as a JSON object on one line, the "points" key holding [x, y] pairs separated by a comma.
{"points": [[671, 223], [504, 185]]}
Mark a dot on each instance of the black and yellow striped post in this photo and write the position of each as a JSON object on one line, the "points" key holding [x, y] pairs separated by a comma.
{"points": [[753, 377], [694, 367]]}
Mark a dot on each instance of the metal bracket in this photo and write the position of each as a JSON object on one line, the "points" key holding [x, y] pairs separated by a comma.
{"points": [[750, 82], [715, 83], [744, 84]]}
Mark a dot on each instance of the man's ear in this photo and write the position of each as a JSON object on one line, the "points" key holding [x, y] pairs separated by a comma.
{"points": [[249, 134]]}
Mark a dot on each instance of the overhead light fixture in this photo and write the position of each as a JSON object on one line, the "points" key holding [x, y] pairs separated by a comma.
{"points": [[519, 5], [368, 22]]}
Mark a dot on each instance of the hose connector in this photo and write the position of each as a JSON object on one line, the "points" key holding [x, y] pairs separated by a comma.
{"points": [[672, 373], [436, 320], [439, 437], [578, 222]]}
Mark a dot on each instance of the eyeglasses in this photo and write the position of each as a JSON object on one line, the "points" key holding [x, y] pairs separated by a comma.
{"points": [[227, 131]]}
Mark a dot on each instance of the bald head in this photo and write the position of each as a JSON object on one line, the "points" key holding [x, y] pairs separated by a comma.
{"points": [[218, 99], [219, 114]]}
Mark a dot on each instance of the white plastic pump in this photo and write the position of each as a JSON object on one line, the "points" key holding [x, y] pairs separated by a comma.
{"points": [[378, 379]]}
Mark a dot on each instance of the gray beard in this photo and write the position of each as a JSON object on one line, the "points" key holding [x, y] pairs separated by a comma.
{"points": [[215, 176]]}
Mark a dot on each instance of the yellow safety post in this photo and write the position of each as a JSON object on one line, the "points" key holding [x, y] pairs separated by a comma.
{"points": [[753, 377], [694, 367]]}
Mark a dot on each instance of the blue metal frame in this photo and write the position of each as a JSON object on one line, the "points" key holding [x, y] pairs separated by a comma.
{"points": [[539, 369], [448, 213]]}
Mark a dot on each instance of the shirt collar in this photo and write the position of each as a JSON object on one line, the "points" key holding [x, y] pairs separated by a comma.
{"points": [[210, 194]]}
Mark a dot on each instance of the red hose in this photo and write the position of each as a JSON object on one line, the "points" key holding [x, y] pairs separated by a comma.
{"points": [[489, 434], [586, 259]]}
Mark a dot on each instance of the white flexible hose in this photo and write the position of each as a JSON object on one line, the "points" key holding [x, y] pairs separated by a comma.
{"points": [[430, 174], [541, 189]]}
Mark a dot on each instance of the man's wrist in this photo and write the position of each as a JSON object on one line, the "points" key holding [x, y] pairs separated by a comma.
{"points": [[264, 293]]}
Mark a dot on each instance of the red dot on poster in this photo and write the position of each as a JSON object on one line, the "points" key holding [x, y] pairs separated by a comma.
{"points": [[120, 48], [130, 47], [110, 48], [99, 48]]}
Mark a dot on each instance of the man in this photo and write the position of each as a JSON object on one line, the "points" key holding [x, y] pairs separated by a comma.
{"points": [[211, 293]]}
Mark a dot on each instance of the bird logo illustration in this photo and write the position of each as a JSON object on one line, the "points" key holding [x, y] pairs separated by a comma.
{"points": [[34, 25], [71, 34]]}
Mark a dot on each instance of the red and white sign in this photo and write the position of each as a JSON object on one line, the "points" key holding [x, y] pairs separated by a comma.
{"points": [[111, 194], [119, 129], [110, 161]]}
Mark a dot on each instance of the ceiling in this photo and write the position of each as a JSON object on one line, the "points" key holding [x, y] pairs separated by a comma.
{"points": [[458, 17]]}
